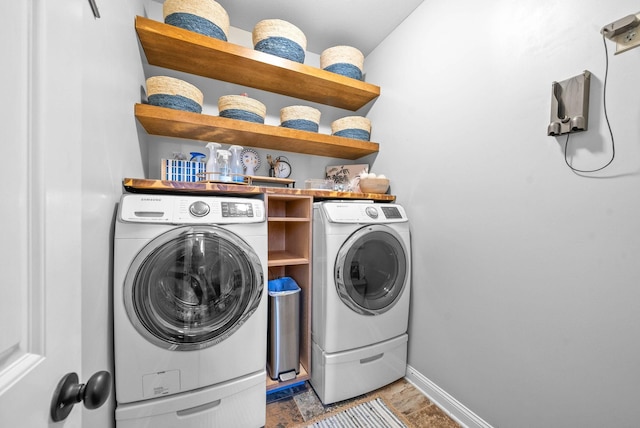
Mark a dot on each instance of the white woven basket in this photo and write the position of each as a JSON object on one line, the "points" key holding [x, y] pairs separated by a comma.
{"points": [[342, 54], [172, 86], [207, 9], [278, 28], [241, 102]]}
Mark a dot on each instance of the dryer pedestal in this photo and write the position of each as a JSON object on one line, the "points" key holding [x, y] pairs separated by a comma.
{"points": [[342, 375], [239, 403]]}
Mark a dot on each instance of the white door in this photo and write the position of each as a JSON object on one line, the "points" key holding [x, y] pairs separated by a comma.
{"points": [[41, 111]]}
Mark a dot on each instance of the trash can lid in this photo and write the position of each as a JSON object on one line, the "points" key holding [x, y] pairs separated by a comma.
{"points": [[283, 285]]}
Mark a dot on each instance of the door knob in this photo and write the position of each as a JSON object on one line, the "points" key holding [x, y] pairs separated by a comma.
{"points": [[94, 394]]}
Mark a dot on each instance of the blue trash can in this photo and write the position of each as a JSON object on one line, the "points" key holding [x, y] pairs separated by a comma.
{"points": [[283, 342]]}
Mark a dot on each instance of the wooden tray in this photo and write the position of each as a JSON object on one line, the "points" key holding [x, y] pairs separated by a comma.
{"points": [[247, 179]]}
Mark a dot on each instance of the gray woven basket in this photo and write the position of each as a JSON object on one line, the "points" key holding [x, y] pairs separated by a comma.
{"points": [[201, 16], [164, 91]]}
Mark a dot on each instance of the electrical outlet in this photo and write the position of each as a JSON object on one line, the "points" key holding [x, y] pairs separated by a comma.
{"points": [[628, 40]]}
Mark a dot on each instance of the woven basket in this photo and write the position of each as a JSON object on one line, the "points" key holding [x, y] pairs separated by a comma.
{"points": [[201, 16], [241, 107], [345, 60], [164, 91], [300, 117], [357, 127], [280, 38]]}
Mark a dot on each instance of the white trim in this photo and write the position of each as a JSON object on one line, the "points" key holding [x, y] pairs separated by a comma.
{"points": [[446, 402], [17, 370]]}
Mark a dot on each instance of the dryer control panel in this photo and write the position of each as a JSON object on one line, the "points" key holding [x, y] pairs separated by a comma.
{"points": [[363, 212], [174, 209]]}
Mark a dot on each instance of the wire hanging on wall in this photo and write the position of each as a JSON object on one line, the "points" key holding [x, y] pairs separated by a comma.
{"points": [[606, 116]]}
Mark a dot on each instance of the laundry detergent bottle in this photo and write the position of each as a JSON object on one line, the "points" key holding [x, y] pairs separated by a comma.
{"points": [[223, 165], [236, 164], [212, 161]]}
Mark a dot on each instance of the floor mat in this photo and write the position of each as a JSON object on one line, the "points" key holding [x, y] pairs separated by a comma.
{"points": [[372, 414]]}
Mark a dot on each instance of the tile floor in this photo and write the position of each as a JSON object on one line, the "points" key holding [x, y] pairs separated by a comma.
{"points": [[297, 406]]}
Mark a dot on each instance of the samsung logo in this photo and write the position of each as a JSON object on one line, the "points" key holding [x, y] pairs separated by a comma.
{"points": [[151, 199]]}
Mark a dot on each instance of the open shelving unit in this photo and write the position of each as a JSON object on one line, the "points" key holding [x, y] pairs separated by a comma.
{"points": [[290, 230], [178, 49]]}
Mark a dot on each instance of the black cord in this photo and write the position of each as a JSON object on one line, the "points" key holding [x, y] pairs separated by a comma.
{"points": [[606, 116]]}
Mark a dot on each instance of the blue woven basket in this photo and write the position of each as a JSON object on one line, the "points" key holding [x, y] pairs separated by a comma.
{"points": [[196, 24], [241, 115], [345, 69], [358, 134], [304, 118], [301, 124], [356, 127], [241, 107], [284, 48], [205, 17], [280, 38], [164, 91], [345, 60], [176, 102]]}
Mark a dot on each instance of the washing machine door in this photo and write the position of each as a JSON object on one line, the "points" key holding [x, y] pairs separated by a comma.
{"points": [[371, 270], [192, 287]]}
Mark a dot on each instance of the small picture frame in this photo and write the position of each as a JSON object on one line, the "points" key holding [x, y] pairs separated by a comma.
{"points": [[346, 177]]}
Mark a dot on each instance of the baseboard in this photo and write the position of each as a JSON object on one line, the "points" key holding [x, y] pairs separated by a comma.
{"points": [[446, 402]]}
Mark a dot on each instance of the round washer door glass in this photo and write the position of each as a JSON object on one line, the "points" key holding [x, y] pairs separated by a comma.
{"points": [[192, 287], [371, 270]]}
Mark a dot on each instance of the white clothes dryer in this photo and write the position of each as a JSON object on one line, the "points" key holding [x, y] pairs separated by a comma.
{"points": [[361, 292], [190, 311]]}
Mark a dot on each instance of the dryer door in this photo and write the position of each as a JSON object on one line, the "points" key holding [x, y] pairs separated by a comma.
{"points": [[371, 270], [192, 287]]}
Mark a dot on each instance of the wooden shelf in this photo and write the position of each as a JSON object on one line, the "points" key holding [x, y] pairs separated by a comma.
{"points": [[178, 49], [284, 258], [183, 124], [147, 185]]}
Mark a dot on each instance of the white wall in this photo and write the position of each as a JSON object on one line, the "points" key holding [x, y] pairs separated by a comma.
{"points": [[525, 285]]}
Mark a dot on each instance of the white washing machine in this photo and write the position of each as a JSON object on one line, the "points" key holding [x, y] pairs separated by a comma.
{"points": [[361, 291], [190, 311]]}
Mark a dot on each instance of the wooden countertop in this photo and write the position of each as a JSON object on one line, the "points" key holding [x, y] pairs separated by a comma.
{"points": [[144, 185]]}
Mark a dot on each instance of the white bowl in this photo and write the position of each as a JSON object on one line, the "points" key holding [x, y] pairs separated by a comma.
{"points": [[374, 185]]}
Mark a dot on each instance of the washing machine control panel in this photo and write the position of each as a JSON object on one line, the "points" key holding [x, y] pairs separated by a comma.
{"points": [[237, 209], [391, 212], [363, 212], [176, 209]]}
